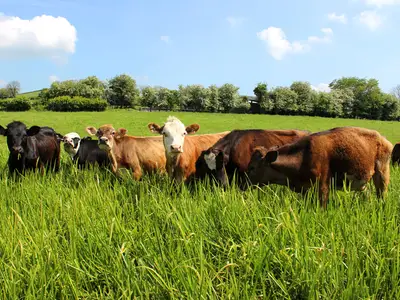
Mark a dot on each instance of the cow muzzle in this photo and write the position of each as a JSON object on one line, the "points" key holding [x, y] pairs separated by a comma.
{"points": [[176, 149], [17, 150]]}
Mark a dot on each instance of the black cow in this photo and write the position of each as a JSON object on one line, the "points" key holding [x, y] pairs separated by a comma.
{"points": [[85, 152], [36, 147]]}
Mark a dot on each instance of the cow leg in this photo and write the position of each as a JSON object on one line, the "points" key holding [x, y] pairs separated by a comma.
{"points": [[137, 173], [324, 189], [381, 179]]}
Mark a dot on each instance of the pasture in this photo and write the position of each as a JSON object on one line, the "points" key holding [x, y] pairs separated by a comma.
{"points": [[83, 234]]}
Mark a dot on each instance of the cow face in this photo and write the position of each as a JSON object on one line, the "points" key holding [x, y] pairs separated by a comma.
{"points": [[17, 136], [259, 169], [107, 135], [72, 143], [174, 133], [212, 162]]}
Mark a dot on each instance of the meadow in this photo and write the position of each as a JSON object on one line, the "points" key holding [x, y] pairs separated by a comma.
{"points": [[85, 234]]}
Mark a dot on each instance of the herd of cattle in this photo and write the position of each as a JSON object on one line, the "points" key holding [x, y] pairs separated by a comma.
{"points": [[295, 158]]}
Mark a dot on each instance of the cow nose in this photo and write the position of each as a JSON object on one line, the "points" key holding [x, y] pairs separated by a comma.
{"points": [[176, 148], [17, 149], [103, 140]]}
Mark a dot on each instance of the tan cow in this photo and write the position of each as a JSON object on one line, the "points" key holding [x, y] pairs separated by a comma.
{"points": [[357, 153], [182, 151], [139, 154]]}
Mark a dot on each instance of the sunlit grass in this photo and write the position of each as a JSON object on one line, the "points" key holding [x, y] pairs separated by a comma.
{"points": [[86, 234]]}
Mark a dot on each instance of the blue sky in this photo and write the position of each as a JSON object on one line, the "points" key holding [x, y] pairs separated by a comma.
{"points": [[174, 42]]}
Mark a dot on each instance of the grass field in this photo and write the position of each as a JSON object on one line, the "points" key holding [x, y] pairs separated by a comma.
{"points": [[82, 234], [29, 94]]}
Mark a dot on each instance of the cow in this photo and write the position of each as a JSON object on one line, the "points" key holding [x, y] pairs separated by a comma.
{"points": [[85, 152], [36, 147], [139, 154], [232, 153], [182, 150], [396, 155], [352, 154]]}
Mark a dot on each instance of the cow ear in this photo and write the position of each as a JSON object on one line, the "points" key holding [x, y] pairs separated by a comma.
{"points": [[192, 128], [3, 131], [122, 132], [33, 130], [271, 156], [154, 128], [91, 130], [257, 155]]}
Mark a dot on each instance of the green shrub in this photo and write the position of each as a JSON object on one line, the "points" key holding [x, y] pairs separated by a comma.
{"points": [[17, 104], [66, 103]]}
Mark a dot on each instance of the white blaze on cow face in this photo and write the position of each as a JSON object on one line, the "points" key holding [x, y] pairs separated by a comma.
{"points": [[71, 142], [210, 161], [174, 133]]}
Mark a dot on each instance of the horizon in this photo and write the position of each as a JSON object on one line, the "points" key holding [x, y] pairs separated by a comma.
{"points": [[167, 44]]}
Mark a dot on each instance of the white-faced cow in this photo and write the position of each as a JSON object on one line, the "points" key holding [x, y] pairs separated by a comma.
{"points": [[85, 152], [352, 154], [232, 153], [181, 149]]}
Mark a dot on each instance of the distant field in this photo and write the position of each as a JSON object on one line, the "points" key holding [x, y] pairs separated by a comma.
{"points": [[29, 94], [82, 234]]}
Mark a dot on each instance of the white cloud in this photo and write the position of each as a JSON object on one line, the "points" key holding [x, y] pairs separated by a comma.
{"points": [[2, 83], [327, 38], [165, 38], [337, 18], [278, 46], [322, 87], [380, 3], [53, 78], [370, 19], [235, 21], [42, 36]]}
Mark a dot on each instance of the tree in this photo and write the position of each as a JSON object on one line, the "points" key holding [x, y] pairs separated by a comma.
{"points": [[346, 97], [366, 95], [213, 99], [4, 93], [13, 88], [149, 97], [391, 106], [261, 92], [194, 96], [91, 87], [228, 96], [284, 101], [122, 91], [304, 94], [396, 91]]}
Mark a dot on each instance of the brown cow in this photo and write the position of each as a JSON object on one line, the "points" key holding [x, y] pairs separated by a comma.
{"points": [[396, 155], [358, 154], [181, 164], [139, 154], [233, 152]]}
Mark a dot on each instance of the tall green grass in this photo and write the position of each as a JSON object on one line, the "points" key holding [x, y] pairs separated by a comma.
{"points": [[86, 234]]}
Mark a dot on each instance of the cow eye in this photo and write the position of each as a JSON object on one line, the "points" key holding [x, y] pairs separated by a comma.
{"points": [[113, 133]]}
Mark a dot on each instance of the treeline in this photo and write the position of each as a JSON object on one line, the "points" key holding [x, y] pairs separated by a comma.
{"points": [[349, 97]]}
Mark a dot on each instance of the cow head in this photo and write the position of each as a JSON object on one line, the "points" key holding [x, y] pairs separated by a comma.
{"points": [[107, 135], [174, 133], [17, 136], [72, 143], [212, 162], [259, 169]]}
